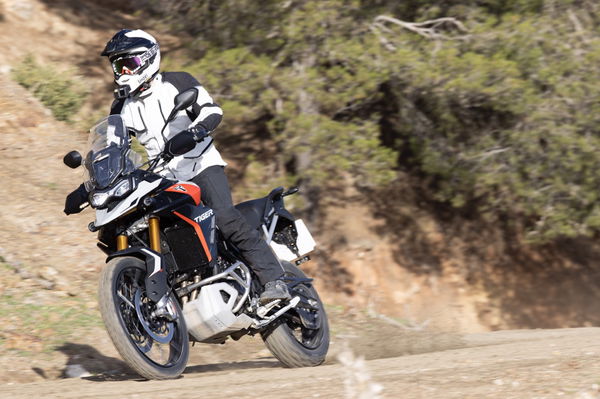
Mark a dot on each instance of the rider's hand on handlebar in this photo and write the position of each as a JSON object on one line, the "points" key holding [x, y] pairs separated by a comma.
{"points": [[183, 142], [199, 133], [74, 200]]}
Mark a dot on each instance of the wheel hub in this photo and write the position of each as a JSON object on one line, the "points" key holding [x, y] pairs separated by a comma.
{"points": [[166, 335]]}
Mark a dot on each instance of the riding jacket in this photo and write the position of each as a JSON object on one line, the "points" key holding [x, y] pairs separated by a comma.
{"points": [[145, 115]]}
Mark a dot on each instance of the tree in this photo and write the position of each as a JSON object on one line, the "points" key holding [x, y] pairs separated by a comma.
{"points": [[492, 101]]}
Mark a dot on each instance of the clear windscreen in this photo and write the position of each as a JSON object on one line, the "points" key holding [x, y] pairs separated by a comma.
{"points": [[109, 155], [108, 131]]}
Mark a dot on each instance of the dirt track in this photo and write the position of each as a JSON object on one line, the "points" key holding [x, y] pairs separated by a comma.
{"points": [[506, 364], [509, 364]]}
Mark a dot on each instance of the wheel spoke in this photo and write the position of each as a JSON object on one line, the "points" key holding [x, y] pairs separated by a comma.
{"points": [[161, 342], [176, 347], [127, 301]]}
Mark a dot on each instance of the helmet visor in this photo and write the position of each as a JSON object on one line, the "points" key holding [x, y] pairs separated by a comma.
{"points": [[127, 65]]}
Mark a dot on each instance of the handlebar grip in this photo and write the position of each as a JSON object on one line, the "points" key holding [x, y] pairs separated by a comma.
{"points": [[291, 191]]}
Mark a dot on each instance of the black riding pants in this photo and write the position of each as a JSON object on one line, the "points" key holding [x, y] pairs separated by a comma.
{"points": [[216, 194]]}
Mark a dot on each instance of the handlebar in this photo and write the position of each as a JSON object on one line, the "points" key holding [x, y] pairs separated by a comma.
{"points": [[165, 156], [292, 190]]}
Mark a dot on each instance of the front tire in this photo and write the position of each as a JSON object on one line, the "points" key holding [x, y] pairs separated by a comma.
{"points": [[155, 348], [291, 342]]}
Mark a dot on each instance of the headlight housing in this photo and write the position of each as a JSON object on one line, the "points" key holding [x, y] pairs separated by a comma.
{"points": [[99, 199]]}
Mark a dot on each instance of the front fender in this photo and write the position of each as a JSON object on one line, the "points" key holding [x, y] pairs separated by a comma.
{"points": [[156, 276]]}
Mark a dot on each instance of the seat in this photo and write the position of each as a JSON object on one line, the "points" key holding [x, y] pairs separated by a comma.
{"points": [[255, 209]]}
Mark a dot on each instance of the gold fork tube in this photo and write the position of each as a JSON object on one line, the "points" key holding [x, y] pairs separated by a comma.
{"points": [[194, 294], [122, 242], [154, 232]]}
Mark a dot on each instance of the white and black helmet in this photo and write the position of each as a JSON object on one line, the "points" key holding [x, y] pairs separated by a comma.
{"points": [[135, 59]]}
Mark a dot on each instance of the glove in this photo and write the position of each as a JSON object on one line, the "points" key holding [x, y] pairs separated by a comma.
{"points": [[74, 200], [184, 141], [179, 144], [199, 133]]}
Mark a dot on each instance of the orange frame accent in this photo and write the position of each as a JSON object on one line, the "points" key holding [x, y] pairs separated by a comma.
{"points": [[189, 189]]}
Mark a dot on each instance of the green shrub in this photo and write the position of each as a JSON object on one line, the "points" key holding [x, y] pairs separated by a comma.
{"points": [[501, 118], [56, 90]]}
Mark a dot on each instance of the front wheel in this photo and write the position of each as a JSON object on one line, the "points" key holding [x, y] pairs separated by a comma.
{"points": [[301, 339], [154, 347]]}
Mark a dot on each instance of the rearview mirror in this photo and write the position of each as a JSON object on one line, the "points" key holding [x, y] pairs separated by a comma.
{"points": [[73, 159], [184, 100]]}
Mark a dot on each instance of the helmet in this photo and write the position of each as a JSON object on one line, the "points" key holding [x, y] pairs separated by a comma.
{"points": [[135, 59]]}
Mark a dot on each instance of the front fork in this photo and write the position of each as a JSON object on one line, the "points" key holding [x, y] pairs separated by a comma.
{"points": [[122, 242], [156, 277], [153, 233]]}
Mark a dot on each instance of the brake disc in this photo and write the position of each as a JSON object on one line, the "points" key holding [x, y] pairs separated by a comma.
{"points": [[163, 338]]}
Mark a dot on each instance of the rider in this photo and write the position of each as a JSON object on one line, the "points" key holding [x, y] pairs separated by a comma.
{"points": [[144, 98]]}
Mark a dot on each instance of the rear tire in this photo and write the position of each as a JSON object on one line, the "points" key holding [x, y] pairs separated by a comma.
{"points": [[292, 343], [120, 291]]}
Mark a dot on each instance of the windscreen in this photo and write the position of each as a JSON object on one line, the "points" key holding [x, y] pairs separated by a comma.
{"points": [[109, 155]]}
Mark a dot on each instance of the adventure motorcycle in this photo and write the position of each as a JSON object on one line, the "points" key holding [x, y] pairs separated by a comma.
{"points": [[170, 276]]}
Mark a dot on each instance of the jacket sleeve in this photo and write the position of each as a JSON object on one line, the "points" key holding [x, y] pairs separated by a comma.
{"points": [[205, 112], [208, 113]]}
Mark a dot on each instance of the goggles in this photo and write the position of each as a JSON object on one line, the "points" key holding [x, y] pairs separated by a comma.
{"points": [[130, 64], [127, 65]]}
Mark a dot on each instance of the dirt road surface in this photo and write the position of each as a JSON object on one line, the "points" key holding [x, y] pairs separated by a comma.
{"points": [[51, 261], [507, 364]]}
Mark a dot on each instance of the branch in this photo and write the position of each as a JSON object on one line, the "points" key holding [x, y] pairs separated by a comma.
{"points": [[429, 29], [485, 155], [382, 39], [440, 21], [579, 30]]}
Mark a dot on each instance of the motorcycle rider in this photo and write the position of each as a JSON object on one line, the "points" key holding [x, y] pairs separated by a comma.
{"points": [[144, 99]]}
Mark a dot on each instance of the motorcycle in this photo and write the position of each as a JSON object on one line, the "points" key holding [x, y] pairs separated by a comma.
{"points": [[171, 277]]}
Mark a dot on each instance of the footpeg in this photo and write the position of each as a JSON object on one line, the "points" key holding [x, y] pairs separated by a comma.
{"points": [[292, 304], [263, 310]]}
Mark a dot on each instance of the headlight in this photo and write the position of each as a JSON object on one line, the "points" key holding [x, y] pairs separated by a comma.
{"points": [[100, 198]]}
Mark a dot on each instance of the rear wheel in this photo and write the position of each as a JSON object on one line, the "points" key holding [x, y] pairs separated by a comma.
{"points": [[154, 347], [302, 337]]}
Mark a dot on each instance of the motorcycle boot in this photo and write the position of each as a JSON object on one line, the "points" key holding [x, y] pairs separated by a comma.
{"points": [[275, 290]]}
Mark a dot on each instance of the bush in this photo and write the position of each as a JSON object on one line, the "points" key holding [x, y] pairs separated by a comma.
{"points": [[497, 114], [507, 122], [64, 96]]}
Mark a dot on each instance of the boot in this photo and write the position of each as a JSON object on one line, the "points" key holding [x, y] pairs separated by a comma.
{"points": [[275, 290]]}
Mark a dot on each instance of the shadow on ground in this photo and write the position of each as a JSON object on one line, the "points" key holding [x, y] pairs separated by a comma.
{"points": [[101, 368], [104, 368]]}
